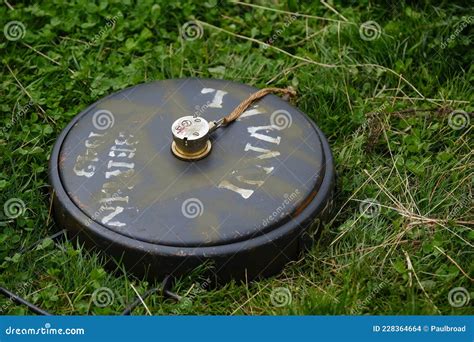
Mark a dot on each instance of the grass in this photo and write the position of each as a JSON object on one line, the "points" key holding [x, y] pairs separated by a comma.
{"points": [[383, 96]]}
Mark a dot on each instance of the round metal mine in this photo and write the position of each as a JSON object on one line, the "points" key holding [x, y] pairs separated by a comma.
{"points": [[133, 175]]}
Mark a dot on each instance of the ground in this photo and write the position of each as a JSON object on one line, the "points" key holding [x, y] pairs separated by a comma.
{"points": [[389, 84]]}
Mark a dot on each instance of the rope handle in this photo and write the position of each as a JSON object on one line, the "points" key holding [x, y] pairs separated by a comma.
{"points": [[237, 112]]}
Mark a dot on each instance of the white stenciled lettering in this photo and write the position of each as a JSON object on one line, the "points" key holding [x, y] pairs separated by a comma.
{"points": [[85, 165], [253, 133], [250, 112], [120, 169], [122, 152], [114, 199], [245, 193], [267, 170], [251, 173], [118, 173], [108, 219], [250, 181], [218, 97], [264, 153], [112, 164], [123, 140], [80, 169]]}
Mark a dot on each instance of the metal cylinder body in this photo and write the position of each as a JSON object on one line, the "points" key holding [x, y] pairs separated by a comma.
{"points": [[250, 206]]}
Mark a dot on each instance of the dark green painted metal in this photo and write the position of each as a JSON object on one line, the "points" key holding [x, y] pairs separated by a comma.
{"points": [[118, 186]]}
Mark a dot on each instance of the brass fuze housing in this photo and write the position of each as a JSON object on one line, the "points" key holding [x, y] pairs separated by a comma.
{"points": [[190, 138]]}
